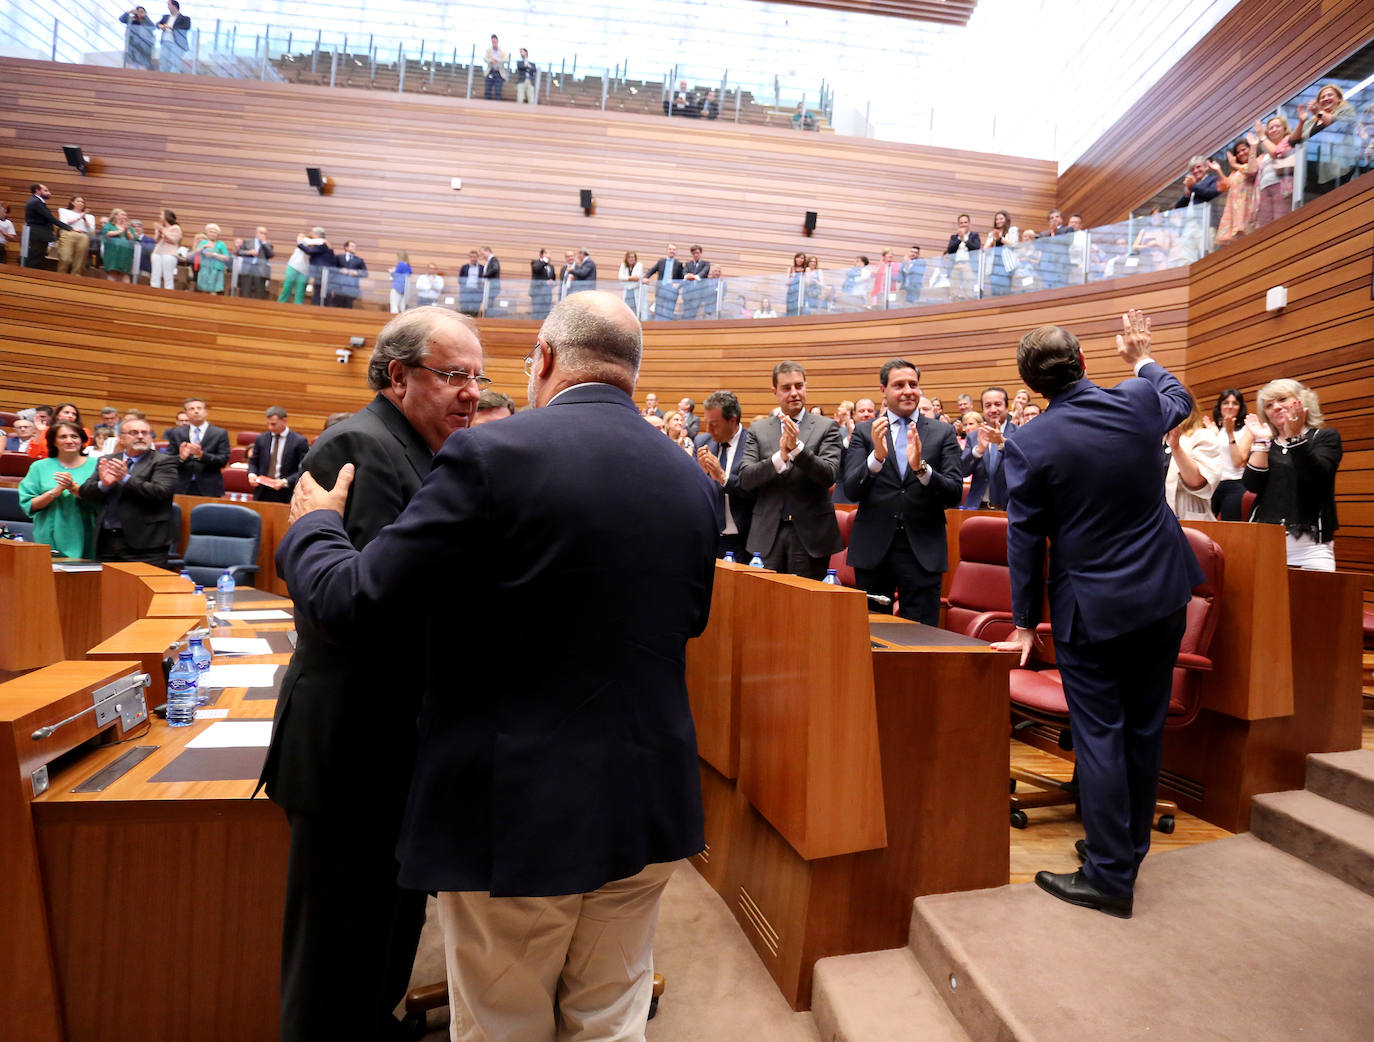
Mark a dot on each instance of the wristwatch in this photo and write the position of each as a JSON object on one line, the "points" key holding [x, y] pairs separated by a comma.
{"points": [[923, 469]]}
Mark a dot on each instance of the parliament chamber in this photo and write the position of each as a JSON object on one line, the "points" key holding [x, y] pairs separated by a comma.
{"points": [[850, 763]]}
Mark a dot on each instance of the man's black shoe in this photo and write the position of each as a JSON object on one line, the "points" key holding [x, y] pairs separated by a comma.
{"points": [[1074, 888], [1080, 847]]}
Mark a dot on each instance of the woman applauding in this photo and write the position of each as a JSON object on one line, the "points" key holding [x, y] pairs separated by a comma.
{"points": [[49, 493]]}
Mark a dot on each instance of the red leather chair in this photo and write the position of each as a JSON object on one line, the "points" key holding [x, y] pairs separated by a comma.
{"points": [[1037, 696], [238, 454], [246, 438], [840, 561], [236, 480], [979, 601], [14, 464]]}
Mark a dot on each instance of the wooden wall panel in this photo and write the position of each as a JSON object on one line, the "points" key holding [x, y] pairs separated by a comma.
{"points": [[1262, 53], [1325, 337], [235, 152]]}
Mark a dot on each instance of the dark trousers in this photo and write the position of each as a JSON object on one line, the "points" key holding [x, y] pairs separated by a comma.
{"points": [[263, 494], [349, 932], [110, 546], [1118, 695], [787, 556], [495, 85], [917, 590], [734, 544], [38, 252], [1228, 500]]}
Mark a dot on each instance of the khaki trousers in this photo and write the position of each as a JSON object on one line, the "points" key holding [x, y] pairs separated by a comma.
{"points": [[538, 969], [73, 248]]}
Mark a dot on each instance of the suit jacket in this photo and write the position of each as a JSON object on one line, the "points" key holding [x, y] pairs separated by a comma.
{"points": [[974, 243], [700, 268], [492, 269], [692, 424], [12, 444], [982, 486], [666, 269], [741, 502], [1088, 475], [42, 225], [142, 504], [886, 497], [344, 733], [541, 271], [200, 477], [802, 492], [346, 285], [594, 747], [292, 458], [583, 271]]}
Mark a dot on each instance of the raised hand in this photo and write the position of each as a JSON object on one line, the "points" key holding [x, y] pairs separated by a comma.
{"points": [[913, 448], [1257, 427], [1133, 342], [880, 426]]}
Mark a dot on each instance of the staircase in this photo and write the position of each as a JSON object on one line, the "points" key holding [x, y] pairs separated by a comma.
{"points": [[1263, 936]]}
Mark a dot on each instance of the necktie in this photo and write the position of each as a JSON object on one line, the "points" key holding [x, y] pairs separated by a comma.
{"points": [[274, 458], [993, 495], [899, 445], [195, 435]]}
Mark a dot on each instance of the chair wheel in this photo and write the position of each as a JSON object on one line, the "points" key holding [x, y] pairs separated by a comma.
{"points": [[1166, 824], [1013, 785], [415, 1024], [1019, 819]]}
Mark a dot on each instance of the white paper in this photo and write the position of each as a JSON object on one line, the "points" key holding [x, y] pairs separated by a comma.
{"points": [[255, 675], [211, 714], [234, 734], [262, 615], [240, 646]]}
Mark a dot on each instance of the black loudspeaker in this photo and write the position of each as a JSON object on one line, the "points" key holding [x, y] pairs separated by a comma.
{"points": [[809, 223], [316, 179], [586, 195], [76, 159]]}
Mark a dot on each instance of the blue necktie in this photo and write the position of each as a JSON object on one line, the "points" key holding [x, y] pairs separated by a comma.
{"points": [[899, 445]]}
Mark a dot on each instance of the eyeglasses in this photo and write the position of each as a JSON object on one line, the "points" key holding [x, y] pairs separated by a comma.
{"points": [[459, 377], [529, 359]]}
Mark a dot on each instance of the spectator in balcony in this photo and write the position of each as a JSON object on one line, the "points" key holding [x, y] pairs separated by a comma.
{"points": [[429, 285], [256, 268], [1241, 187], [7, 232], [886, 278], [524, 79], [311, 252], [496, 62], [858, 280], [1154, 243], [491, 275], [167, 241], [50, 493], [138, 38], [74, 244], [1331, 159], [913, 276], [470, 285], [542, 281], [344, 287], [1276, 161], [1200, 185], [765, 309], [117, 246], [1364, 134], [694, 272], [583, 272], [143, 239], [214, 259], [796, 283], [41, 224], [713, 292], [631, 274], [962, 244], [175, 28], [740, 309], [815, 285], [801, 119], [399, 271], [1001, 255], [679, 103], [710, 107]]}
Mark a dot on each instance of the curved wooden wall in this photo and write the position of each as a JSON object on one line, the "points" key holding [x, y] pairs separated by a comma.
{"points": [[235, 152], [1263, 52]]}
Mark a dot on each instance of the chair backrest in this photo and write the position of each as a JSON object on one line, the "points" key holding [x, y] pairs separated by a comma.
{"points": [[1247, 504], [840, 561], [9, 506], [8, 418], [981, 583], [14, 464], [246, 437], [236, 480], [175, 528], [238, 454], [23, 529], [1204, 608], [222, 536]]}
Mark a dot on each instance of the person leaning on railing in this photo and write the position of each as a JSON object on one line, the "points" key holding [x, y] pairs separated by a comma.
{"points": [[1333, 118], [1241, 187], [138, 38]]}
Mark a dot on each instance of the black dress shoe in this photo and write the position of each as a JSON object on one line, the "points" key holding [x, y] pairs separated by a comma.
{"points": [[1080, 847], [1074, 888]]}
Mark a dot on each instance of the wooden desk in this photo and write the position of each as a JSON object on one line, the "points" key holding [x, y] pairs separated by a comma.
{"points": [[176, 606], [146, 641], [127, 592], [31, 635], [905, 742]]}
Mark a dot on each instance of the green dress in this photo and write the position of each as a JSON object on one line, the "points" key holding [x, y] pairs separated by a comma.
{"points": [[67, 524], [119, 249], [210, 278]]}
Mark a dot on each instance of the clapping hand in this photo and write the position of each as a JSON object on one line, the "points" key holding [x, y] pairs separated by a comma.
{"points": [[913, 448], [63, 482], [710, 464], [789, 434], [1258, 428], [880, 426], [1133, 342], [111, 471], [1216, 167]]}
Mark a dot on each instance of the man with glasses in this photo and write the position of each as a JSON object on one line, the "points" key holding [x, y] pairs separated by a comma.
{"points": [[133, 487], [546, 815], [343, 742], [23, 434]]}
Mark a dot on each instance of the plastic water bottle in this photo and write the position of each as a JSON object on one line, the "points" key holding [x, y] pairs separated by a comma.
{"points": [[756, 561], [182, 691], [832, 577], [186, 574], [200, 655], [224, 592], [730, 556]]}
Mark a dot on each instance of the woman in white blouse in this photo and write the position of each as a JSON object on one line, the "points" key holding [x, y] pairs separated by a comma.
{"points": [[631, 273], [74, 246], [1195, 466]]}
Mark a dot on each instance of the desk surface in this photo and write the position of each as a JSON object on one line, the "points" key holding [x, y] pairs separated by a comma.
{"points": [[889, 632]]}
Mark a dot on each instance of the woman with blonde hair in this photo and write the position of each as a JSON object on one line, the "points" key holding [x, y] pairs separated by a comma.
{"points": [[1275, 181], [1195, 467], [677, 431], [214, 258], [117, 246], [1018, 405], [1292, 471], [399, 272], [1331, 157]]}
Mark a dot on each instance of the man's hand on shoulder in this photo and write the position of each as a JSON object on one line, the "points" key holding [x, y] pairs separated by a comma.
{"points": [[310, 495]]}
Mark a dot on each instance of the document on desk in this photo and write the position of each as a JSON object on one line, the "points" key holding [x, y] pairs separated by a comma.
{"points": [[261, 615], [240, 646], [253, 675], [234, 734]]}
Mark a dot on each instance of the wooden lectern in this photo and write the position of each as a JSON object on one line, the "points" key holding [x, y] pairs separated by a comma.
{"points": [[850, 763], [31, 635]]}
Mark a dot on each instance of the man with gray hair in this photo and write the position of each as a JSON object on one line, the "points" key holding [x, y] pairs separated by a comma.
{"points": [[312, 252], [547, 819], [720, 452], [582, 274], [343, 741]]}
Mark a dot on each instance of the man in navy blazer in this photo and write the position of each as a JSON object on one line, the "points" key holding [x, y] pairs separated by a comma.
{"points": [[582, 273], [1088, 476], [575, 539], [669, 271], [274, 462], [720, 452], [201, 450], [982, 456], [902, 469]]}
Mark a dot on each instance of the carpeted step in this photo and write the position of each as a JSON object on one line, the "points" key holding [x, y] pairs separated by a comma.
{"points": [[1325, 834], [879, 997], [1346, 778]]}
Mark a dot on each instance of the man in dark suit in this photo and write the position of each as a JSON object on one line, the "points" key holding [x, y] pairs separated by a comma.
{"points": [[1088, 476], [201, 450], [789, 465], [340, 762], [582, 273], [694, 273], [133, 489], [256, 267], [720, 452], [343, 279], [41, 224], [913, 276], [22, 434], [491, 274], [274, 461], [902, 469], [576, 788], [983, 454], [669, 271], [175, 28], [470, 285], [691, 423], [542, 281]]}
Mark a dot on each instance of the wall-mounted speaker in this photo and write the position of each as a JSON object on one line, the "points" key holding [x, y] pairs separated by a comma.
{"points": [[588, 203], [316, 179], [809, 223]]}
